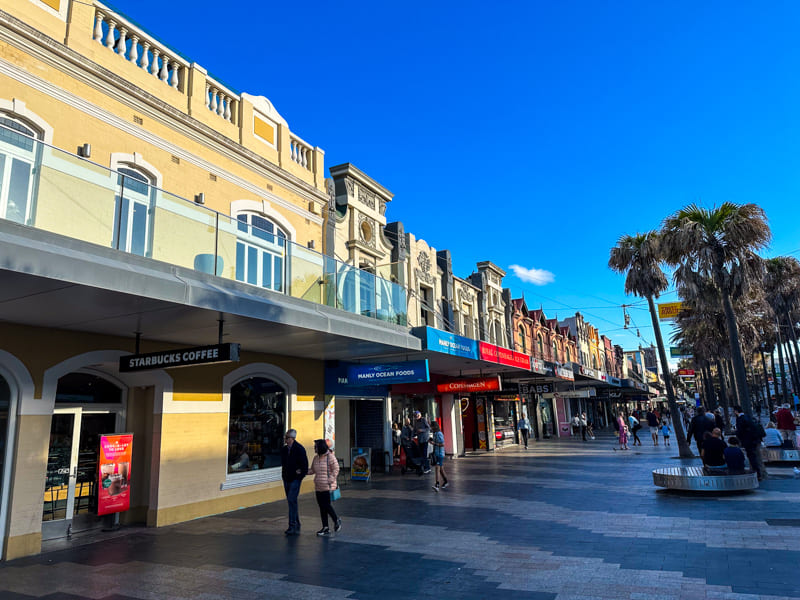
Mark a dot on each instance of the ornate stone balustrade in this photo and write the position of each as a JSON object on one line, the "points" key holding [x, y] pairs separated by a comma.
{"points": [[301, 152], [132, 44], [221, 101]]}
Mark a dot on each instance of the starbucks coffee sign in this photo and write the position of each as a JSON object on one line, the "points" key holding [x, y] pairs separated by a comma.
{"points": [[183, 357]]}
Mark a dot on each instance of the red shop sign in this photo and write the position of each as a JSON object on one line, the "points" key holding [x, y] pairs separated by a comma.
{"points": [[503, 356], [686, 372], [477, 384]]}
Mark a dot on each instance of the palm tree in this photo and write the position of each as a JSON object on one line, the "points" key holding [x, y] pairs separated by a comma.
{"points": [[639, 257], [720, 244], [782, 289]]}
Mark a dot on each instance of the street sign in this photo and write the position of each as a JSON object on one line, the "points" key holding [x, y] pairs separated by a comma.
{"points": [[669, 310]]}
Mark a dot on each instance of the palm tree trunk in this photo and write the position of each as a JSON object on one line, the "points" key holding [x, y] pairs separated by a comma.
{"points": [[766, 382], [711, 393], [793, 354], [724, 393], [774, 380], [736, 355], [680, 437], [782, 363]]}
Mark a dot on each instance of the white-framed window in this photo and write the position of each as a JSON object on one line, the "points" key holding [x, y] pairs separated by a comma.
{"points": [[133, 214], [522, 343], [18, 158], [261, 251]]}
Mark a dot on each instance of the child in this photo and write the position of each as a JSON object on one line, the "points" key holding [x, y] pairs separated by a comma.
{"points": [[665, 431]]}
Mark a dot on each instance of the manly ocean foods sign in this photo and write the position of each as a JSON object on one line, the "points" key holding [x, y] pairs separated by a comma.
{"points": [[414, 371], [184, 357]]}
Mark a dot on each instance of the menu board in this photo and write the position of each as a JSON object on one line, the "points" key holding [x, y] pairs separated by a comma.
{"points": [[114, 473], [360, 467]]}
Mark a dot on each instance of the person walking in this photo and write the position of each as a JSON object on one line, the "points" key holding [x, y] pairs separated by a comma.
{"points": [[422, 429], [438, 457], [396, 440], [665, 431], [652, 422], [524, 427], [325, 469], [623, 432], [698, 426], [785, 422], [584, 425], [294, 466], [749, 435], [634, 426]]}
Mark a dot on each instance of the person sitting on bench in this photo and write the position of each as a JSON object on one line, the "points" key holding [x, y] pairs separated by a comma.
{"points": [[713, 452], [774, 438], [734, 457]]}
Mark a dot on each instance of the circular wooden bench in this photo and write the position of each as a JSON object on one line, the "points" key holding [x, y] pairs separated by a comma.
{"points": [[771, 455], [696, 479]]}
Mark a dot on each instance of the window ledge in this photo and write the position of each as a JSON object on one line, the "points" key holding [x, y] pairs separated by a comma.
{"points": [[238, 480]]}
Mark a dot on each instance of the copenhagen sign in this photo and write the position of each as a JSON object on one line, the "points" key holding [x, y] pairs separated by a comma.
{"points": [[184, 357], [478, 384]]}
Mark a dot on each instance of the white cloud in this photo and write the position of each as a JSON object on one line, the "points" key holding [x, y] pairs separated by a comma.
{"points": [[534, 276]]}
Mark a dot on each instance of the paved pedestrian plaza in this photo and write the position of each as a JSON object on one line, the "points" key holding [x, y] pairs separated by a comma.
{"points": [[565, 519]]}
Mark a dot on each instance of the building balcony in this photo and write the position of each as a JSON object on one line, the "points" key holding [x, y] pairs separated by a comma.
{"points": [[59, 198], [132, 62]]}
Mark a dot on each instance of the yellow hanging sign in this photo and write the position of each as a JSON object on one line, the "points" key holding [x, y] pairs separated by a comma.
{"points": [[669, 310]]}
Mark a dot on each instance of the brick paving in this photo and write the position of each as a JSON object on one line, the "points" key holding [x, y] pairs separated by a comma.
{"points": [[564, 519]]}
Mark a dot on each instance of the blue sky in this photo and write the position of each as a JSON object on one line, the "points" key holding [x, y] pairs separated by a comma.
{"points": [[528, 133]]}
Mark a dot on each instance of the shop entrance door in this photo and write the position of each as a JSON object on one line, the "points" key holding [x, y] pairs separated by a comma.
{"points": [[70, 491]]}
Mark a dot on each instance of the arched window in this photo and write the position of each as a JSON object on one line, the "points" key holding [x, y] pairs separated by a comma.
{"points": [[133, 214], [260, 252], [569, 354], [257, 424], [594, 361], [540, 345], [555, 351], [522, 339], [18, 155]]}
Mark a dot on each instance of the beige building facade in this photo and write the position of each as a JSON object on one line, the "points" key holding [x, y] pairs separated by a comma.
{"points": [[145, 208]]}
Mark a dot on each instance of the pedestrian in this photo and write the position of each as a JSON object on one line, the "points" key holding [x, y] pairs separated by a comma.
{"points": [[698, 426], [665, 431], [719, 422], [785, 421], [583, 426], [590, 429], [713, 454], [734, 457], [422, 429], [634, 426], [438, 457], [396, 440], [623, 432], [325, 469], [652, 423], [749, 433], [524, 427], [773, 439], [576, 424], [294, 466]]}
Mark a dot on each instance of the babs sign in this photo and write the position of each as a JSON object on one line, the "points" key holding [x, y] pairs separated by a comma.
{"points": [[184, 357]]}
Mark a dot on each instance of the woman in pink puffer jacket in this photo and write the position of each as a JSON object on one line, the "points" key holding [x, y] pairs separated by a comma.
{"points": [[325, 468]]}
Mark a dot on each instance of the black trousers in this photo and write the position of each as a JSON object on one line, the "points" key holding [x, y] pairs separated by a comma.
{"points": [[524, 434], [325, 508]]}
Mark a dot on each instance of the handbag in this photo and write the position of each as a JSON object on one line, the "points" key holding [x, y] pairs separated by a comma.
{"points": [[335, 495]]}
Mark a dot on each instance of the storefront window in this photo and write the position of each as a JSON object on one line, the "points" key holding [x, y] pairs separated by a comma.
{"points": [[5, 402], [257, 425], [84, 388]]}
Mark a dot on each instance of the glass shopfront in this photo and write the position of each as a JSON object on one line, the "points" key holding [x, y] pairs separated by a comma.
{"points": [[5, 443], [257, 425], [504, 420]]}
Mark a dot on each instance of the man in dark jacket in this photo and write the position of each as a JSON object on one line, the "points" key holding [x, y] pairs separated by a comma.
{"points": [[422, 429], [294, 466], [750, 436], [698, 426]]}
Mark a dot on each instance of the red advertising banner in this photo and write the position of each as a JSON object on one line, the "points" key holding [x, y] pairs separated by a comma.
{"points": [[686, 372], [478, 384], [114, 473], [503, 356]]}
